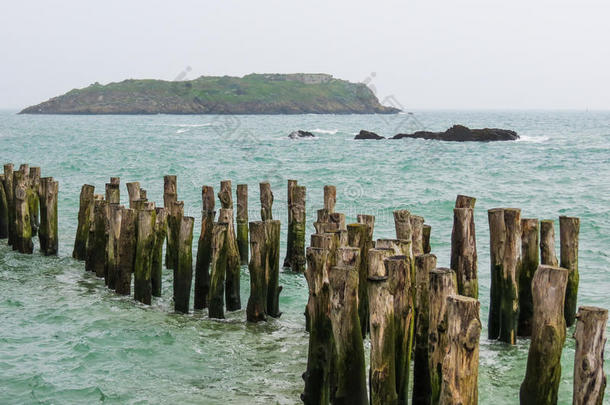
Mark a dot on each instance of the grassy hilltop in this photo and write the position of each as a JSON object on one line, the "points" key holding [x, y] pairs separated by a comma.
{"points": [[252, 94]]}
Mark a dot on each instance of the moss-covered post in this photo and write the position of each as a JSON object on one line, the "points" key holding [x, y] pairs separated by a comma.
{"points": [[113, 193], [443, 283], [509, 286], [204, 248], [3, 210], [383, 339], [497, 240], [90, 256], [295, 252], [145, 241], [160, 233], [330, 198], [256, 310], [133, 189], [543, 371], [461, 363], [170, 195], [242, 223], [426, 231], [98, 253], [112, 253], [183, 272], [126, 251], [590, 336], [530, 260], [34, 199], [48, 233], [369, 221], [464, 252], [9, 190], [358, 237], [402, 224], [174, 218], [233, 271], [266, 201], [218, 269], [417, 235], [22, 241], [349, 347], [320, 350], [547, 243], [273, 273], [85, 213], [569, 227], [421, 371], [291, 185]]}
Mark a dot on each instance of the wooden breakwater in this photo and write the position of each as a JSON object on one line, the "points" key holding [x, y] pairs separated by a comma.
{"points": [[421, 320]]}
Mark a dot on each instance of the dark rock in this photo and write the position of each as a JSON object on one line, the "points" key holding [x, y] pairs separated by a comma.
{"points": [[460, 133], [301, 134], [368, 135]]}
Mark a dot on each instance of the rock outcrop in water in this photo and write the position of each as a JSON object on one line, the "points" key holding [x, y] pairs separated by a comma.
{"points": [[460, 133], [300, 134], [252, 94], [368, 135]]}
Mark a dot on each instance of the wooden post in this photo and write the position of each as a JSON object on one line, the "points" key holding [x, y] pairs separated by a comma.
{"points": [[242, 223], [34, 199], [272, 231], [369, 221], [402, 224], [115, 180], [160, 232], [349, 347], [443, 283], [126, 253], [204, 249], [319, 355], [218, 269], [174, 218], [4, 207], [569, 228], [48, 233], [170, 196], [22, 241], [133, 189], [113, 193], [145, 242], [98, 257], [256, 310], [112, 253], [398, 269], [9, 190], [426, 231], [266, 201], [330, 198], [383, 361], [295, 252], [497, 240], [90, 257], [233, 270], [461, 363], [529, 264], [509, 289], [183, 271], [143, 195], [85, 213], [548, 336], [464, 252], [547, 243], [358, 237], [291, 185], [589, 377], [421, 370], [417, 229], [398, 246]]}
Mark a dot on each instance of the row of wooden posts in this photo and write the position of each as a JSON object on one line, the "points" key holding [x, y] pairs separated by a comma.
{"points": [[28, 207]]}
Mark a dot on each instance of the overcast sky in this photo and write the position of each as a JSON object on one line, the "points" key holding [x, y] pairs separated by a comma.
{"points": [[427, 54]]}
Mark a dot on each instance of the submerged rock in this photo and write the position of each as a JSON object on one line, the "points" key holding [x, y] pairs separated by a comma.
{"points": [[301, 134], [368, 135], [460, 133]]}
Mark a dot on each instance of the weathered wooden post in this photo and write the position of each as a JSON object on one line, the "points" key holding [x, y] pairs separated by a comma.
{"points": [[417, 230], [133, 189], [89, 259], [9, 190], [291, 185], [295, 252], [547, 243], [272, 231], [399, 247], [232, 282], [112, 253], [369, 221], [464, 252], [402, 224], [383, 350], [48, 233], [183, 271], [115, 180], [160, 233], [320, 349], [529, 264], [350, 366], [218, 269], [266, 201], [113, 193], [461, 363], [4, 207], [443, 283], [174, 218], [126, 253], [426, 231], [548, 336], [204, 249], [497, 240], [170, 195], [145, 242], [98, 252], [421, 370], [590, 335], [34, 199], [256, 310], [85, 213], [242, 222], [509, 288], [330, 198], [569, 227], [22, 241], [358, 237]]}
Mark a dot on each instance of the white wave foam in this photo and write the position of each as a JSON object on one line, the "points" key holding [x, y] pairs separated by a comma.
{"points": [[180, 131], [325, 131], [533, 139]]}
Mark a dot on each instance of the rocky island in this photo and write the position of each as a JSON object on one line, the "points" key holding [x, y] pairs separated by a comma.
{"points": [[298, 93], [457, 133]]}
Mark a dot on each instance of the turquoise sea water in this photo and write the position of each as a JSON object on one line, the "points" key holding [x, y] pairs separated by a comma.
{"points": [[65, 338]]}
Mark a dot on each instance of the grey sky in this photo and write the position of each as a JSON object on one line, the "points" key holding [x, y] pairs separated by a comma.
{"points": [[426, 53]]}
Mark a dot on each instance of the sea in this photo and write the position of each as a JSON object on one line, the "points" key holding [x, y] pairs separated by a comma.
{"points": [[67, 339]]}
